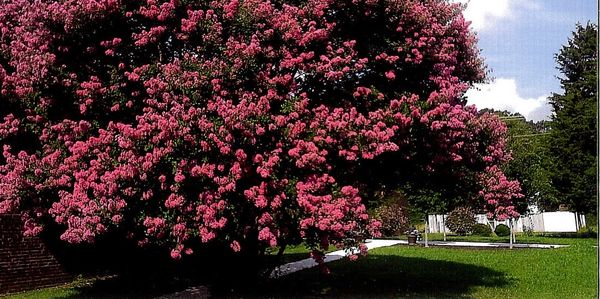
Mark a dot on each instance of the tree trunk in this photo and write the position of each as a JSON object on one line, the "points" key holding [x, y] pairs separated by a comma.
{"points": [[278, 260], [514, 233], [426, 230], [511, 233]]}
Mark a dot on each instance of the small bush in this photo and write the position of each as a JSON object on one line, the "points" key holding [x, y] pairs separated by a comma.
{"points": [[502, 230], [461, 221], [528, 231], [393, 217], [483, 230], [587, 232], [591, 220]]}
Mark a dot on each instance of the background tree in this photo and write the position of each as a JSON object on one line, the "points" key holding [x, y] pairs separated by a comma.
{"points": [[461, 221], [531, 162], [573, 139], [393, 214]]}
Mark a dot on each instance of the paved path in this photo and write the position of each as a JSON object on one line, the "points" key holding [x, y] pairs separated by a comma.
{"points": [[199, 292], [330, 257], [489, 245]]}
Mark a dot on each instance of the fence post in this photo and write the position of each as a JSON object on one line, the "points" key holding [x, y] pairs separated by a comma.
{"points": [[491, 224], [578, 221], [444, 225]]}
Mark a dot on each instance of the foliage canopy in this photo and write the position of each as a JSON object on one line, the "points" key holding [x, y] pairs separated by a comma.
{"points": [[573, 140], [249, 124]]}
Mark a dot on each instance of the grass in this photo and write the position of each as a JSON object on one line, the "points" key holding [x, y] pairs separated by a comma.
{"points": [[403, 271], [56, 292], [296, 253], [519, 238], [415, 272], [95, 287]]}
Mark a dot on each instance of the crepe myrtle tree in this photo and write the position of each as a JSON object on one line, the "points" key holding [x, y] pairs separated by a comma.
{"points": [[247, 123]]}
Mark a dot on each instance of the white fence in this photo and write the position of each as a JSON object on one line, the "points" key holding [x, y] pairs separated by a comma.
{"points": [[541, 222]]}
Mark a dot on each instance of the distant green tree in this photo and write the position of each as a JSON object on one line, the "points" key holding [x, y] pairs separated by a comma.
{"points": [[461, 221], [574, 127], [531, 165]]}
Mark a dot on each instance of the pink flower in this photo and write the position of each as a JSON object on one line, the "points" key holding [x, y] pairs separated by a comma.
{"points": [[175, 254], [179, 178], [235, 246], [390, 75]]}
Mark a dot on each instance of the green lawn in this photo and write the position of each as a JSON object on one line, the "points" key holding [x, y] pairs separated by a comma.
{"points": [[519, 238], [403, 271], [56, 292], [417, 272], [296, 253]]}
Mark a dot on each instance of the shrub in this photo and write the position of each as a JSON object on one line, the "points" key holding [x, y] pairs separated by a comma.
{"points": [[461, 221], [591, 220], [483, 230], [528, 231], [587, 232], [393, 218], [502, 230]]}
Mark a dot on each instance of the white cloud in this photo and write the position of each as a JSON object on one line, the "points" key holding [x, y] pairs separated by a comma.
{"points": [[483, 14], [502, 95]]}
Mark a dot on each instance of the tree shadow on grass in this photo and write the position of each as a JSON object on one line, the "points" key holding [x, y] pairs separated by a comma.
{"points": [[376, 276], [129, 287], [152, 276], [380, 276]]}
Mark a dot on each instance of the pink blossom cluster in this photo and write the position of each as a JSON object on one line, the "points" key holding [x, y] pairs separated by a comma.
{"points": [[499, 193], [9, 126], [237, 122]]}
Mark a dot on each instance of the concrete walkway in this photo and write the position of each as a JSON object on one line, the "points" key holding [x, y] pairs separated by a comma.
{"points": [[488, 245], [199, 292], [329, 257]]}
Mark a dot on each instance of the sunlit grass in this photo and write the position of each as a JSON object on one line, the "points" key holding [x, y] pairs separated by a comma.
{"points": [[403, 271]]}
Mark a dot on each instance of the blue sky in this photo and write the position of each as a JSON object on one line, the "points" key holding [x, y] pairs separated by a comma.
{"points": [[518, 39]]}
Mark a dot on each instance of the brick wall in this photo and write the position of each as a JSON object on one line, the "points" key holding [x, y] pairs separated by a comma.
{"points": [[25, 263]]}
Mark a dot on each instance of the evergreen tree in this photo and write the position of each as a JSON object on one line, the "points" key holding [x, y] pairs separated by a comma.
{"points": [[574, 127]]}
